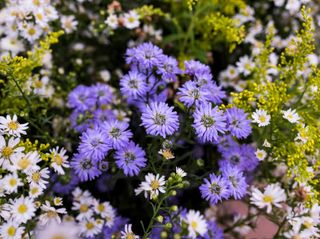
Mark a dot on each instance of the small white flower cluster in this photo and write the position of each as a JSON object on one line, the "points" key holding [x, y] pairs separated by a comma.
{"points": [[196, 223], [92, 215], [26, 19], [24, 178], [129, 20]]}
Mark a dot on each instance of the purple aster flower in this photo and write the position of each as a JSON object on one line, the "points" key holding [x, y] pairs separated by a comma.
{"points": [[225, 142], [203, 78], [190, 93], [237, 123], [216, 94], [85, 168], [237, 182], [131, 159], [193, 67], [241, 156], [101, 115], [117, 133], [81, 99], [94, 144], [208, 123], [215, 189], [103, 94], [148, 55], [160, 119], [131, 56], [169, 68], [133, 84], [79, 120], [214, 232]]}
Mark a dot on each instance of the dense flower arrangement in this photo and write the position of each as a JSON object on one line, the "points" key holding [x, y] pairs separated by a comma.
{"points": [[173, 119]]}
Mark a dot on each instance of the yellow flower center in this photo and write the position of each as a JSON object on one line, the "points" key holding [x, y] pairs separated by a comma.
{"points": [[36, 2], [89, 225], [58, 159], [31, 31], [58, 237], [7, 151], [24, 163], [22, 208], [262, 118], [38, 84], [12, 231], [155, 184], [84, 208], [101, 207], [268, 199], [308, 224], [130, 236], [13, 125], [39, 16], [34, 190], [12, 182], [51, 214], [194, 225], [131, 19], [36, 177]]}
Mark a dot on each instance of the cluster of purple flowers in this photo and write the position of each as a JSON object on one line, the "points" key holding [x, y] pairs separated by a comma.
{"points": [[236, 164], [102, 133]]}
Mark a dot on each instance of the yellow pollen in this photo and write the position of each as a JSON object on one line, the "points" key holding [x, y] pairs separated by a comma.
{"points": [[12, 182], [39, 16], [38, 84], [11, 231], [51, 214], [307, 224], [84, 208], [130, 236], [194, 225], [36, 2], [36, 177], [24, 163], [13, 125], [58, 237], [58, 159], [262, 118], [89, 225], [34, 190], [31, 31], [7, 151], [22, 208], [101, 207], [155, 184], [268, 198]]}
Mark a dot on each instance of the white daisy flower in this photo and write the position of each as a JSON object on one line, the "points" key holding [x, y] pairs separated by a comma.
{"points": [[131, 19], [84, 207], [59, 160], [31, 32], [57, 201], [152, 186], [68, 23], [261, 117], [50, 214], [272, 195], [266, 144], [11, 182], [245, 65], [291, 115], [105, 75], [22, 209], [8, 151], [180, 172], [112, 21], [27, 162], [10, 230], [127, 233], [106, 211], [38, 177], [65, 230], [196, 224], [166, 153], [11, 126], [91, 227], [35, 191], [260, 154]]}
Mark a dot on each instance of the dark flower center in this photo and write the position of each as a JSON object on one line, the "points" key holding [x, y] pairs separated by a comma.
{"points": [[115, 132], [207, 121], [86, 164], [159, 119], [215, 188]]}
